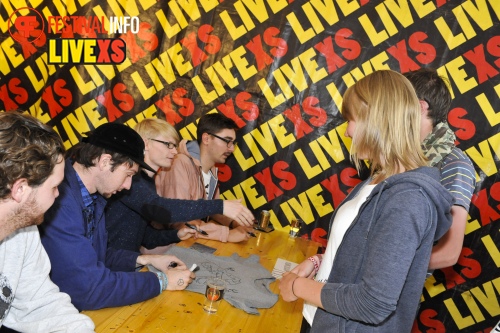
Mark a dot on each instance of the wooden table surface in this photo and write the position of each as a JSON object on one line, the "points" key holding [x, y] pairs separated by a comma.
{"points": [[182, 311]]}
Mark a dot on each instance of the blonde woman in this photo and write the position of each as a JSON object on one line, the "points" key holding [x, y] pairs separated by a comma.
{"points": [[371, 276]]}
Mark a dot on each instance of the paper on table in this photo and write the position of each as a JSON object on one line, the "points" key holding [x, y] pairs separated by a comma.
{"points": [[281, 267]]}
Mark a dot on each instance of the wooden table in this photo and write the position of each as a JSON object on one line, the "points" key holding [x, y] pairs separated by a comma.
{"points": [[182, 311]]}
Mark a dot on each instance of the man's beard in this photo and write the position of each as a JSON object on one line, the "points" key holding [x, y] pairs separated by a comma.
{"points": [[29, 214]]}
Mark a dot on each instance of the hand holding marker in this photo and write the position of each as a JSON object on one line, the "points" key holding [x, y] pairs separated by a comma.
{"points": [[194, 228], [173, 264]]}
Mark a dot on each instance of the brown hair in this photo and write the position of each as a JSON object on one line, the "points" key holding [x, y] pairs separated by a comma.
{"points": [[214, 123], [28, 149], [86, 154], [432, 88]]}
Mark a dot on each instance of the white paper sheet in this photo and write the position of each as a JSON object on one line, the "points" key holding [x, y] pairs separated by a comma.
{"points": [[281, 267]]}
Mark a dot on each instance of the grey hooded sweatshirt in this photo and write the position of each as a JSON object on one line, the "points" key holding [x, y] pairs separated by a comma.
{"points": [[379, 270]]}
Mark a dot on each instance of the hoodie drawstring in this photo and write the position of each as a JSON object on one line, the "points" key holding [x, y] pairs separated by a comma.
{"points": [[377, 198]]}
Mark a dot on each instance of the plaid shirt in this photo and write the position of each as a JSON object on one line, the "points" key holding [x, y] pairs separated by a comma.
{"points": [[88, 212]]}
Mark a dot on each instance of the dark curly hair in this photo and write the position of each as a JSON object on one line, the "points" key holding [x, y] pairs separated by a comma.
{"points": [[28, 149]]}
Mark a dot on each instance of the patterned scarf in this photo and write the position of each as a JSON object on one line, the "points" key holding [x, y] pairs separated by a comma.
{"points": [[439, 143]]}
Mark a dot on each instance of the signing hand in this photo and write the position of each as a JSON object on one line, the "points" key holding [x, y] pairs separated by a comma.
{"points": [[160, 261], [238, 234], [179, 279], [185, 233]]}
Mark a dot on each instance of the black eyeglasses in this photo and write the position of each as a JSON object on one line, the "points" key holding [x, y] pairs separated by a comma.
{"points": [[229, 143], [170, 145]]}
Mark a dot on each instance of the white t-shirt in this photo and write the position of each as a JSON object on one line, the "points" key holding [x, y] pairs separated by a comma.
{"points": [[206, 181], [345, 215]]}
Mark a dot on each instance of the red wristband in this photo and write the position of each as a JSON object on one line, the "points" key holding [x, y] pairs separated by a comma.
{"points": [[315, 263]]}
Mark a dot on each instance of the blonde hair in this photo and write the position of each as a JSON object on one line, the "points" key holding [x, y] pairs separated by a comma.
{"points": [[387, 114], [150, 128]]}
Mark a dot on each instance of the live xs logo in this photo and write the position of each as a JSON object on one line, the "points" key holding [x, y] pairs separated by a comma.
{"points": [[28, 27]]}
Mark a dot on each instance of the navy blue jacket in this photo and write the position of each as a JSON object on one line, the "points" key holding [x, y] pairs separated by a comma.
{"points": [[129, 212], [93, 274]]}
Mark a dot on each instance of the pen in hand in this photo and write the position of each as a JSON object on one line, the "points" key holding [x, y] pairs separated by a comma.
{"points": [[194, 228], [172, 264], [251, 234]]}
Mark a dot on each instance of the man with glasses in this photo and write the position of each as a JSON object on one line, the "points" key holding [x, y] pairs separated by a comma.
{"points": [[131, 214], [193, 174]]}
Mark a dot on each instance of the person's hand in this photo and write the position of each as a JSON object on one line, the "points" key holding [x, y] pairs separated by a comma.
{"points": [[304, 269], [235, 210], [212, 229], [179, 279], [238, 234], [286, 285], [185, 233], [160, 261]]}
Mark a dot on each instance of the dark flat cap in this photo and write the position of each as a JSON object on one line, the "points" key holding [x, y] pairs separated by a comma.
{"points": [[120, 139]]}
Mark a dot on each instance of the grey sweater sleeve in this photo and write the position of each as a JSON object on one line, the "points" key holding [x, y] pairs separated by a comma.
{"points": [[37, 303]]}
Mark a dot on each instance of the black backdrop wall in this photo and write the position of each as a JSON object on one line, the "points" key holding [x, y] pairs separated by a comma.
{"points": [[279, 68]]}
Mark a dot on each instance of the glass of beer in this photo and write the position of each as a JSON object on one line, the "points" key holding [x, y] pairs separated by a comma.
{"points": [[213, 294], [295, 226]]}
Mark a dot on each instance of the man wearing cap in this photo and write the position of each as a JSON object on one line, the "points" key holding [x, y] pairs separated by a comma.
{"points": [[31, 168], [74, 233]]}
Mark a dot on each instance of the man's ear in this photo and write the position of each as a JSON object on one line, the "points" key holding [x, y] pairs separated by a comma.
{"points": [[146, 144], [204, 138], [424, 107], [19, 189], [104, 161]]}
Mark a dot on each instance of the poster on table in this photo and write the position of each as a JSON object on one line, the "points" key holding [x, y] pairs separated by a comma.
{"points": [[278, 68]]}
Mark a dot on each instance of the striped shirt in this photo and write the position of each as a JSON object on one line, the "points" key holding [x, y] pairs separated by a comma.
{"points": [[458, 177]]}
